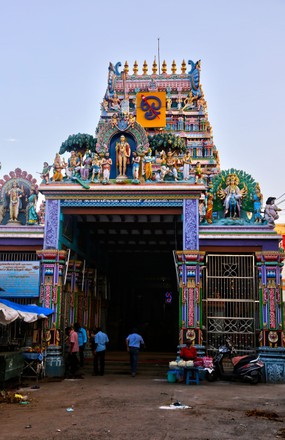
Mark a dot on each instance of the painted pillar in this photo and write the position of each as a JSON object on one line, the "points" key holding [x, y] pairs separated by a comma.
{"points": [[73, 292], [80, 294], [190, 262], [271, 340], [52, 224], [190, 224], [52, 268]]}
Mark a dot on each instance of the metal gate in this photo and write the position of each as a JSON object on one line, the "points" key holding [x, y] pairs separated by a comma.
{"points": [[230, 303]]}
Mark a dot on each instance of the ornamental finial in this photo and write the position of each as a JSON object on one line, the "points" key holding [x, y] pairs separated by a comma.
{"points": [[173, 67], [126, 68], [164, 67], [145, 67], [183, 67], [154, 67], [135, 68]]}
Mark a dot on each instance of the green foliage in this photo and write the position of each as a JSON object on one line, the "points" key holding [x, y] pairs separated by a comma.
{"points": [[167, 141], [78, 142], [244, 180]]}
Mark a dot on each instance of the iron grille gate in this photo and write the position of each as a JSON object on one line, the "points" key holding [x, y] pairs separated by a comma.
{"points": [[230, 304]]}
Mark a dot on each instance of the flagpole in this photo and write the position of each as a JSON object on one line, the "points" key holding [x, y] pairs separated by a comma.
{"points": [[158, 56]]}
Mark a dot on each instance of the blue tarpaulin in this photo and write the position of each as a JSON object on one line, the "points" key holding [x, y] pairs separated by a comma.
{"points": [[9, 311], [31, 308]]}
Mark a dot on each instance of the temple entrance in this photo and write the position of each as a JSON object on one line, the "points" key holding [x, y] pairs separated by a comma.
{"points": [[133, 254]]}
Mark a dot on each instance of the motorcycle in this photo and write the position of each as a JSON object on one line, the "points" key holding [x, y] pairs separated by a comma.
{"points": [[246, 368]]}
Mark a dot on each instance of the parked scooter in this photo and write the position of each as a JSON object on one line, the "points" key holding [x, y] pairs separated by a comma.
{"points": [[245, 368]]}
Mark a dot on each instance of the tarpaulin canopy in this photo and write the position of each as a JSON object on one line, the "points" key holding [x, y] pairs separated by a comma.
{"points": [[10, 311]]}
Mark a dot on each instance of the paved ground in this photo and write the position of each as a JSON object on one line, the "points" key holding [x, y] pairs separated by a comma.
{"points": [[120, 407]]}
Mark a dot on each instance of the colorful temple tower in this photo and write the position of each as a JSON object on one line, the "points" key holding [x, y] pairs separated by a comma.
{"points": [[143, 228]]}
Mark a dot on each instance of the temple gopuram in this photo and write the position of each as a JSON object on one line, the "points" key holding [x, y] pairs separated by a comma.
{"points": [[142, 228]]}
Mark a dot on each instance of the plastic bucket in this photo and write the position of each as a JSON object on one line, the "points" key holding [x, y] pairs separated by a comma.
{"points": [[171, 376]]}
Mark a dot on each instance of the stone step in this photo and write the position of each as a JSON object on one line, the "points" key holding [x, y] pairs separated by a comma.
{"points": [[154, 364]]}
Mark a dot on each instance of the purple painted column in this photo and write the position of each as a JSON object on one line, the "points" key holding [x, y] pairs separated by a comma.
{"points": [[190, 225], [52, 223]]}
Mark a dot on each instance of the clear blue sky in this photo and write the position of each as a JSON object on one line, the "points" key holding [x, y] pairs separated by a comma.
{"points": [[54, 64]]}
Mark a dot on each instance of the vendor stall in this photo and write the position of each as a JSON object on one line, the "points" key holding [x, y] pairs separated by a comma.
{"points": [[25, 358]]}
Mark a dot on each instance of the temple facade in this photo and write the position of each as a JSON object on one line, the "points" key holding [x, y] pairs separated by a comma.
{"points": [[142, 227]]}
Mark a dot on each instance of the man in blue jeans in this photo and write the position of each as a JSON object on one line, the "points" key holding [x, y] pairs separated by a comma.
{"points": [[100, 341], [134, 342]]}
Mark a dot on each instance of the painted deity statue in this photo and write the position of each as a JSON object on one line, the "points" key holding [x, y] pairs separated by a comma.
{"points": [[106, 167], [123, 152], [73, 164], [209, 209], [45, 173], [198, 172], [115, 102], [148, 159], [86, 167], [188, 102], [15, 194], [58, 166], [171, 163], [31, 213], [186, 165], [257, 202], [136, 166], [96, 168], [271, 211], [232, 196]]}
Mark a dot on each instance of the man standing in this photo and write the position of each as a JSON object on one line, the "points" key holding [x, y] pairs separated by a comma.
{"points": [[73, 349], [82, 340], [100, 341], [134, 342]]}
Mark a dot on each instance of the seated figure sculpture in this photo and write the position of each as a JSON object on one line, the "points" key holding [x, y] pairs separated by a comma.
{"points": [[232, 196], [271, 211]]}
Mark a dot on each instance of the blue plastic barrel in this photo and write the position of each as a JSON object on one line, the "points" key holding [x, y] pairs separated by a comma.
{"points": [[54, 362]]}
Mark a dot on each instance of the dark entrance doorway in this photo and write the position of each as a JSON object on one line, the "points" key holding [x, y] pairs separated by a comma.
{"points": [[134, 250], [144, 295]]}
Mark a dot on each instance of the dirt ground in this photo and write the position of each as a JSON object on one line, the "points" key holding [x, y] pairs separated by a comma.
{"points": [[121, 407]]}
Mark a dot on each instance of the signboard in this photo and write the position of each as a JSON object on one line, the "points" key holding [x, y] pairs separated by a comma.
{"points": [[19, 279], [151, 109]]}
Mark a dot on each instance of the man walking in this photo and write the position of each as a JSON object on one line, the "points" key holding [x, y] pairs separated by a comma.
{"points": [[100, 341], [134, 342]]}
